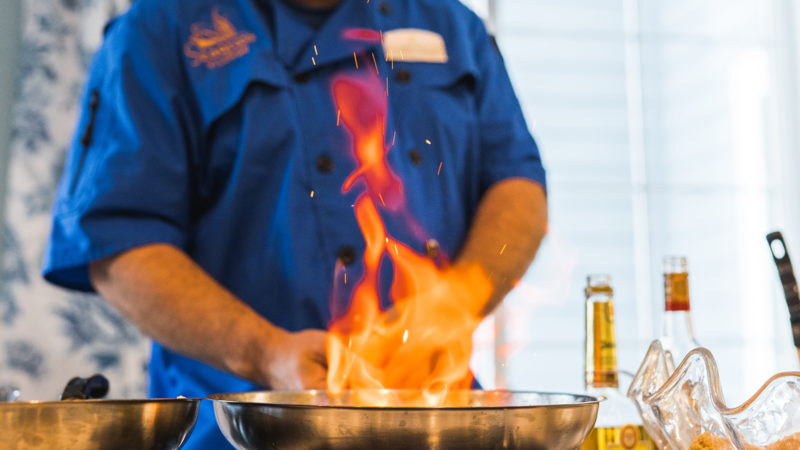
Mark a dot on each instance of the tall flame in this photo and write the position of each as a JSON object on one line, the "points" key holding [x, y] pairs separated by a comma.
{"points": [[424, 341], [362, 106]]}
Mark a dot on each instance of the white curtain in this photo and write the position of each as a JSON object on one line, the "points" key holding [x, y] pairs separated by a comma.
{"points": [[48, 335], [665, 128]]}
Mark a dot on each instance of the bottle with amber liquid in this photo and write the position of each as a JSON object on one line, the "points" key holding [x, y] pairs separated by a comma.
{"points": [[618, 424], [677, 337]]}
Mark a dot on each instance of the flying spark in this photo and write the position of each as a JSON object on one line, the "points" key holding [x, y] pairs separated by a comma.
{"points": [[405, 336], [338, 116], [313, 61], [312, 193], [427, 141], [376, 63], [503, 249], [315, 50], [440, 168], [355, 58]]}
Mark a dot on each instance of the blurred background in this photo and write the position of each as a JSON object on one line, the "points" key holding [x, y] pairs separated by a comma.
{"points": [[666, 128]]}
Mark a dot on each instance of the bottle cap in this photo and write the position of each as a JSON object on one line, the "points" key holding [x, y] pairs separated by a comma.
{"points": [[598, 284], [675, 264]]}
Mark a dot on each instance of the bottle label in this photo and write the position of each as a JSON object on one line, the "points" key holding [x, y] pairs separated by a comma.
{"points": [[676, 291], [628, 437]]}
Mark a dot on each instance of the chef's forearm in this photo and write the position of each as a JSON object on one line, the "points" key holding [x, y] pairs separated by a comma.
{"points": [[508, 227], [171, 299]]}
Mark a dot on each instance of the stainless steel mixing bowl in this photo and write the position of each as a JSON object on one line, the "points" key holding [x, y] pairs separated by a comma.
{"points": [[488, 420], [97, 424]]}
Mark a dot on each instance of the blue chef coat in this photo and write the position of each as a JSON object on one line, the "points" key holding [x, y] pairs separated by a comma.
{"points": [[210, 134]]}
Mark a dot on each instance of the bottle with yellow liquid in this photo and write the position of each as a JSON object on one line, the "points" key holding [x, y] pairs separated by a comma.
{"points": [[618, 425]]}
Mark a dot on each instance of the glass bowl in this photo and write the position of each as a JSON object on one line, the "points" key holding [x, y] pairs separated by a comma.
{"points": [[685, 409]]}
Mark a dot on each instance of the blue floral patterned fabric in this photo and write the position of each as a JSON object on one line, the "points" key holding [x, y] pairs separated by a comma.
{"points": [[48, 335]]}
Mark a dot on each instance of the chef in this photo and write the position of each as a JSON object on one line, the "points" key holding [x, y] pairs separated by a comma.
{"points": [[202, 197]]}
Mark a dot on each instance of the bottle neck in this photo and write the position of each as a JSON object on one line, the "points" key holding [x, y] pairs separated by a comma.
{"points": [[677, 322], [601, 343], [678, 325], [676, 291], [677, 339]]}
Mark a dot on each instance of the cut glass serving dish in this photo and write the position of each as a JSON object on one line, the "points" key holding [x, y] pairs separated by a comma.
{"points": [[685, 409]]}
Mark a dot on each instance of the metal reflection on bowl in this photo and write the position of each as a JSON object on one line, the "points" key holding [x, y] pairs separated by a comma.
{"points": [[487, 419], [97, 424]]}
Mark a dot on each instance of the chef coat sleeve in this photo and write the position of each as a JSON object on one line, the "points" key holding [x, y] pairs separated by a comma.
{"points": [[126, 181], [507, 147]]}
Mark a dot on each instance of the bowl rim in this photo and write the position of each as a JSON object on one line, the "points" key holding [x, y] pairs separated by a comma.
{"points": [[101, 401], [582, 400]]}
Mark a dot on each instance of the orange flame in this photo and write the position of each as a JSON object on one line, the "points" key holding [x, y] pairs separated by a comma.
{"points": [[363, 113], [424, 342]]}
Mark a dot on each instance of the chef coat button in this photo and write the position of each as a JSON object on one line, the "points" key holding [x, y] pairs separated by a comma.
{"points": [[415, 157], [325, 164], [384, 8], [347, 255], [432, 249], [301, 77], [402, 76]]}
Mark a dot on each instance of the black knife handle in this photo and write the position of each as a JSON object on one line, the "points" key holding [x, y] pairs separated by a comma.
{"points": [[78, 388], [780, 254]]}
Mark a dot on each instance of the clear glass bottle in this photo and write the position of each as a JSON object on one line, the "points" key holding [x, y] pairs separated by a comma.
{"points": [[677, 336], [618, 424]]}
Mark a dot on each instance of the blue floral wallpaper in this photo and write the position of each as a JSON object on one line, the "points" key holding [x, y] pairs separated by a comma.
{"points": [[48, 335]]}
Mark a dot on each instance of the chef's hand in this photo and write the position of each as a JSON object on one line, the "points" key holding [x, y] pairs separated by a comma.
{"points": [[296, 360], [170, 298]]}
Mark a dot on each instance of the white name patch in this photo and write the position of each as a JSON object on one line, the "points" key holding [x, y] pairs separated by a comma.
{"points": [[414, 45]]}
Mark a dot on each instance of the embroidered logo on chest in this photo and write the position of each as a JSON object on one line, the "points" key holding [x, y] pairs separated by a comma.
{"points": [[217, 44]]}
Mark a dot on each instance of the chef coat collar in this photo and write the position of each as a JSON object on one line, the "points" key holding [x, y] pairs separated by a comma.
{"points": [[331, 46], [295, 28]]}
